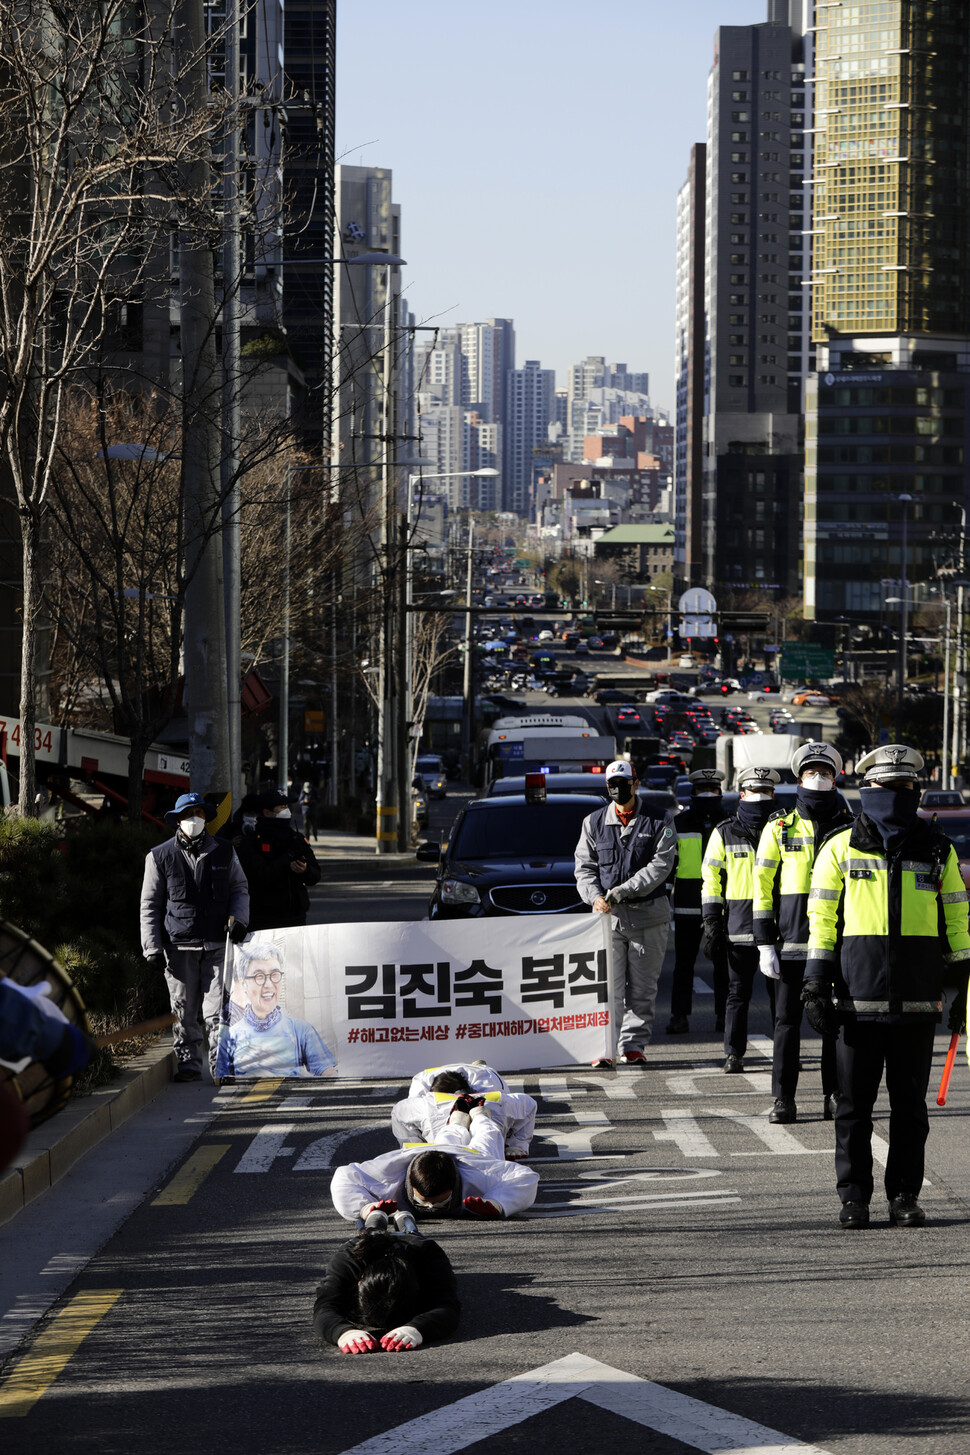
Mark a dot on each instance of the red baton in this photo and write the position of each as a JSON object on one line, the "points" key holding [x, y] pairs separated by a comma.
{"points": [[951, 1056]]}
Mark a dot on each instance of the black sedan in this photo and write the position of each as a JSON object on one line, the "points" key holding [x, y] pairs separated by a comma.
{"points": [[509, 856]]}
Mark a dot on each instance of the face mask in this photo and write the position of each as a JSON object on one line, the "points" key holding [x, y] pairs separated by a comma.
{"points": [[891, 811], [818, 782], [620, 789], [817, 803], [754, 813], [192, 827], [284, 813]]}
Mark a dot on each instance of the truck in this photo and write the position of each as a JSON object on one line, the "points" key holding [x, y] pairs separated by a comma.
{"points": [[760, 750]]}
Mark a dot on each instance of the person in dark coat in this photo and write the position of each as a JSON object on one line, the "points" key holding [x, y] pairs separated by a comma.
{"points": [[279, 866], [391, 1291]]}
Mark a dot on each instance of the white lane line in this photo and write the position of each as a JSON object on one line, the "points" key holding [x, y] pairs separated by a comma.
{"points": [[778, 1139], [265, 1147], [572, 1145], [758, 1081], [682, 1129], [761, 1046], [880, 1154], [319, 1156], [629, 1204], [488, 1412], [555, 1088]]}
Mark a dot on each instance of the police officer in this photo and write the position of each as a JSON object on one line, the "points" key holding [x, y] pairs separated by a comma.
{"points": [[623, 861], [782, 879], [726, 891], [693, 827], [887, 913]]}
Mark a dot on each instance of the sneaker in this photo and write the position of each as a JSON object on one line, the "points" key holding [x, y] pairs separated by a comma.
{"points": [[733, 1065], [829, 1106], [677, 1026], [783, 1111], [854, 1215], [633, 1057], [187, 1073], [905, 1211], [602, 1063]]}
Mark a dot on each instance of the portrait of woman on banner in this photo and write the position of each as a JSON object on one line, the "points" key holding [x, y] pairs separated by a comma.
{"points": [[258, 1037]]}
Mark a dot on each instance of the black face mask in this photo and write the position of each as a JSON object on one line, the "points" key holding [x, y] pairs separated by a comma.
{"points": [[706, 803], [818, 803], [620, 791], [754, 813], [891, 811]]}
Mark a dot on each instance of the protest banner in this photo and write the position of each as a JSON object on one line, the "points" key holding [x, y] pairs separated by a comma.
{"points": [[390, 999]]}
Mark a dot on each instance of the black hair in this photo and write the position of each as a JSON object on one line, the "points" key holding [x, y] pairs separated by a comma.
{"points": [[432, 1173], [387, 1290], [455, 1081]]}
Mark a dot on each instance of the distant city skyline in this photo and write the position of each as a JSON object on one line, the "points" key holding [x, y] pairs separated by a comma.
{"points": [[537, 158]]}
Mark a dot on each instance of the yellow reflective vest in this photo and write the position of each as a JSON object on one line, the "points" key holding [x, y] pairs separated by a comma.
{"points": [[883, 927], [727, 880], [783, 876]]}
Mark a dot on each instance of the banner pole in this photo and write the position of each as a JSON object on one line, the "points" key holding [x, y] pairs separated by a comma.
{"points": [[612, 1032]]}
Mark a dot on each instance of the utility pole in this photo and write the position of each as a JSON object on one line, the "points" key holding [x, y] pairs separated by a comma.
{"points": [[231, 501], [205, 638], [387, 793]]}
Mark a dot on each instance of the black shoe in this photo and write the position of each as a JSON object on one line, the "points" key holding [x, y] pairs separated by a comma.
{"points": [[187, 1073], [905, 1212], [677, 1026], [784, 1110], [854, 1215], [733, 1065], [719, 1023], [829, 1106]]}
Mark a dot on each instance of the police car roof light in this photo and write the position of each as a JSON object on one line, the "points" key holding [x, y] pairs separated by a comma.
{"points": [[535, 788]]}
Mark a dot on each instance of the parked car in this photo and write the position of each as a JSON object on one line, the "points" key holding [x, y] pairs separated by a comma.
{"points": [[942, 798]]}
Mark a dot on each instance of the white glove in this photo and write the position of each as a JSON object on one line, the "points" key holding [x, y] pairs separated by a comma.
{"points": [[357, 1341], [404, 1337], [768, 962]]}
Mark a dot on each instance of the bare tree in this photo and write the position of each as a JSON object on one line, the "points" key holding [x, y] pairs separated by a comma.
{"points": [[93, 137]]}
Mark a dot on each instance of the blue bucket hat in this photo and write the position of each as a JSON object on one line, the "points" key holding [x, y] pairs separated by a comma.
{"points": [[187, 801]]}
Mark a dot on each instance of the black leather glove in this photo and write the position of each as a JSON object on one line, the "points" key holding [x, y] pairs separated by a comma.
{"points": [[72, 1053], [715, 937], [957, 1019], [819, 1010], [156, 961], [238, 932]]}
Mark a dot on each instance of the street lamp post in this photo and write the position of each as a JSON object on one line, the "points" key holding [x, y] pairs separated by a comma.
{"points": [[905, 501]]}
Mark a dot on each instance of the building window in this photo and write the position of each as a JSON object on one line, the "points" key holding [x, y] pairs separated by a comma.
{"points": [[736, 381]]}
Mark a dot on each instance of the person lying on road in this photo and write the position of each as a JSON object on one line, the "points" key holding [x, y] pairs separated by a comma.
{"points": [[391, 1291], [425, 1110]]}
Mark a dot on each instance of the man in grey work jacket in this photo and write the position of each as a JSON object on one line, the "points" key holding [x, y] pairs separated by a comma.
{"points": [[193, 887], [623, 860]]}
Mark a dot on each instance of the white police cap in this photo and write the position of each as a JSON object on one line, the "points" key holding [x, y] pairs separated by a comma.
{"points": [[816, 753], [620, 768], [891, 763], [758, 778], [707, 777]]}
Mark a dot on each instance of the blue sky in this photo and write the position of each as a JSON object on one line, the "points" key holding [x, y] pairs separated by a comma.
{"points": [[537, 148]]}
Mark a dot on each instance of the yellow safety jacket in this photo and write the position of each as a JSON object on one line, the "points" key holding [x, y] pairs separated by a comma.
{"points": [[783, 876], [727, 882], [883, 927], [693, 829]]}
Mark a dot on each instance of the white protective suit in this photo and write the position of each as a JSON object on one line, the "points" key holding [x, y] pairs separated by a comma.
{"points": [[479, 1152], [424, 1113]]}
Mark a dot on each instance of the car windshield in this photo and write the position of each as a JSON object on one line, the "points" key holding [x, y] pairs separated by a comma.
{"points": [[960, 841], [547, 830], [430, 765]]}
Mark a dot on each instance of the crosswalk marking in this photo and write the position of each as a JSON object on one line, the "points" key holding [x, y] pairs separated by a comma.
{"points": [[266, 1146], [682, 1129], [35, 1372]]}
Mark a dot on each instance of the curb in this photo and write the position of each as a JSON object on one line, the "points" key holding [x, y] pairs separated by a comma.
{"points": [[53, 1148]]}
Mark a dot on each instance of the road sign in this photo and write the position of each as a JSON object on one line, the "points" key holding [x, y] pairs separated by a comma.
{"points": [[314, 720], [805, 659]]}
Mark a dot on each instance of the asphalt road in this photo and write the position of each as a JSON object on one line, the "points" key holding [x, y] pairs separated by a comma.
{"points": [[677, 1238]]}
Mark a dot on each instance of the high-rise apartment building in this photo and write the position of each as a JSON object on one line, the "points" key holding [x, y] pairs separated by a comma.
{"points": [[754, 309], [889, 410], [461, 376], [689, 373], [528, 413]]}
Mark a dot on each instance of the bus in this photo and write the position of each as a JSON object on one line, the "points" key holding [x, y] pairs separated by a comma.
{"points": [[546, 742]]}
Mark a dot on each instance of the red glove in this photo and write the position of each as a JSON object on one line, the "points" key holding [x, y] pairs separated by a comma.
{"points": [[356, 1341], [386, 1205], [481, 1207]]}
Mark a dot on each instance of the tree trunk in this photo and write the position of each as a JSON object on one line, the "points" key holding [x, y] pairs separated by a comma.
{"points": [[32, 593]]}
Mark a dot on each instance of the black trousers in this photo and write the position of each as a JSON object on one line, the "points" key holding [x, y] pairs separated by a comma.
{"points": [[788, 1036], [864, 1049], [688, 933], [742, 973]]}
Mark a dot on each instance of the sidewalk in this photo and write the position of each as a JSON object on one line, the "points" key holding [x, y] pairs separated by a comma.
{"points": [[342, 844], [54, 1147]]}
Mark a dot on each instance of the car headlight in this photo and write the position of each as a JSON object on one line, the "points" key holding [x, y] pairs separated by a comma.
{"points": [[456, 891]]}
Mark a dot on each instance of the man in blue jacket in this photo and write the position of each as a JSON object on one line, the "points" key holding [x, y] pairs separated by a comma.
{"points": [[193, 892]]}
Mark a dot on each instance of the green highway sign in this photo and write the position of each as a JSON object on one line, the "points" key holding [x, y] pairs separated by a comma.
{"points": [[804, 659]]}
